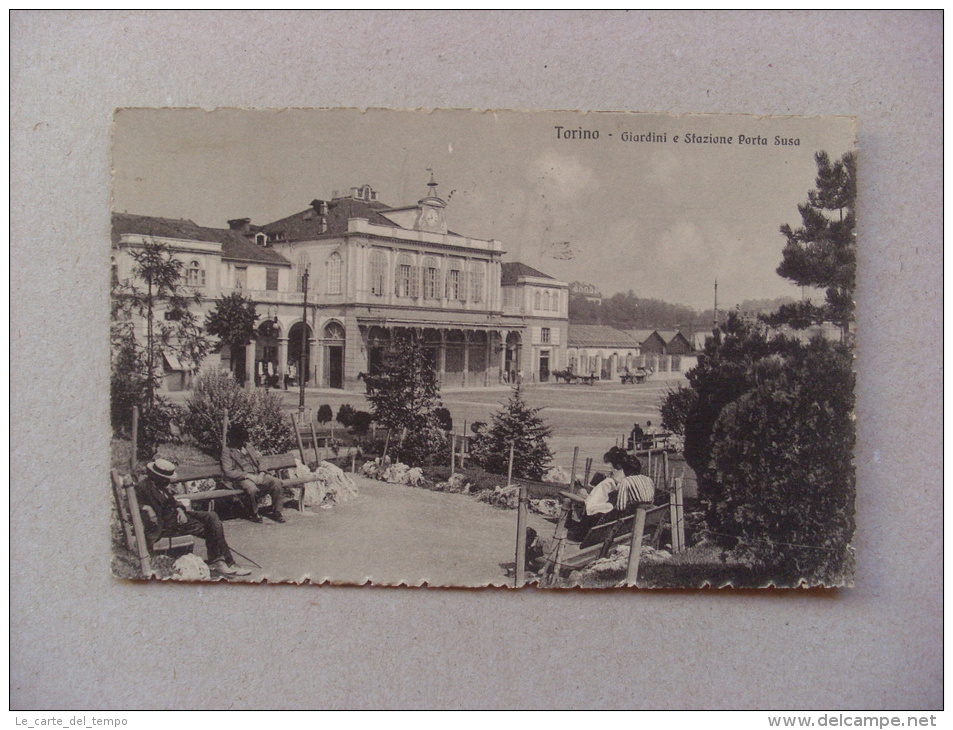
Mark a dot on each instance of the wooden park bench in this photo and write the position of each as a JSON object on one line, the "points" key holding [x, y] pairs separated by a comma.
{"points": [[213, 470], [567, 556], [131, 522]]}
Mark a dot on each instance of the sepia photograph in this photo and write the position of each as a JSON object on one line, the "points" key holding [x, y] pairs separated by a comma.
{"points": [[462, 348]]}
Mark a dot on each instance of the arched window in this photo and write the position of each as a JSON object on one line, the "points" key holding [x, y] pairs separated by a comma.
{"points": [[195, 274], [477, 278], [536, 299], [431, 278], [403, 276], [546, 300], [378, 273], [335, 269], [555, 301], [261, 239], [334, 331], [453, 288], [303, 263]]}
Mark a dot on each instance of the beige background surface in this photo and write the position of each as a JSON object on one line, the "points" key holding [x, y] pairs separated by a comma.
{"points": [[82, 639]]}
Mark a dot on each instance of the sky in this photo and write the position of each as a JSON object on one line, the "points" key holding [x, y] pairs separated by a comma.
{"points": [[663, 219]]}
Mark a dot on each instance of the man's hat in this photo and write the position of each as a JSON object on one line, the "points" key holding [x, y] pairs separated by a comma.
{"points": [[162, 468]]}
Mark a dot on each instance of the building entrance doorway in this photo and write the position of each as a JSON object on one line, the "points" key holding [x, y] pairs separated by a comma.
{"points": [[544, 366], [334, 355], [334, 367]]}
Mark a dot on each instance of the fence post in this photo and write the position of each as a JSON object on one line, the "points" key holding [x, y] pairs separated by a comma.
{"points": [[635, 547], [314, 442], [453, 452], [519, 573], [572, 471], [225, 430], [135, 441], [673, 522], [680, 512], [294, 424]]}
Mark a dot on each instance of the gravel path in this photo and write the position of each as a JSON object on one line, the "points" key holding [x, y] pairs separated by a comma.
{"points": [[389, 535]]}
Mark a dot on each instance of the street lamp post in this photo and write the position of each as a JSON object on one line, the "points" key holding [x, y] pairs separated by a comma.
{"points": [[302, 372]]}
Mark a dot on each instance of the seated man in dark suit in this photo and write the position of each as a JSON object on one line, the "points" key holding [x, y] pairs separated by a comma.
{"points": [[242, 464], [169, 518]]}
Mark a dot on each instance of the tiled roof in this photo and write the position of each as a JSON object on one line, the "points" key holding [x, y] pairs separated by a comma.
{"points": [[513, 270], [306, 225], [598, 335], [669, 335], [234, 245], [641, 335]]}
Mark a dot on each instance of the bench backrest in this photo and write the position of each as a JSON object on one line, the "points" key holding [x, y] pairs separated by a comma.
{"points": [[622, 527]]}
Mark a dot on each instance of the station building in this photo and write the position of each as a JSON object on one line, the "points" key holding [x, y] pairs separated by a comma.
{"points": [[372, 272]]}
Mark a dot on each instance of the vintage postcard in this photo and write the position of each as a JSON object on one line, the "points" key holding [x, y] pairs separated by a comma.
{"points": [[482, 348]]}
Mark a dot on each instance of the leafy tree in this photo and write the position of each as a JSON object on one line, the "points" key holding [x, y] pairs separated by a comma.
{"points": [[361, 423], [676, 406], [725, 371], [518, 424], [345, 414], [232, 321], [136, 371], [325, 414], [822, 251], [780, 486], [404, 394]]}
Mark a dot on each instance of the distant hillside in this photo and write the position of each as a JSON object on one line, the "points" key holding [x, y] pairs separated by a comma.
{"points": [[627, 311]]}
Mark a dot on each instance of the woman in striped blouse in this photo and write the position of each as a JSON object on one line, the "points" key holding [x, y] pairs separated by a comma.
{"points": [[623, 489]]}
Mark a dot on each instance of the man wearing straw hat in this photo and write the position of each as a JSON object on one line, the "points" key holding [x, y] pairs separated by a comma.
{"points": [[173, 519]]}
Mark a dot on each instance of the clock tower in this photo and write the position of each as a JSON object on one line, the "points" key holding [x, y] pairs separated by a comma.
{"points": [[431, 211]]}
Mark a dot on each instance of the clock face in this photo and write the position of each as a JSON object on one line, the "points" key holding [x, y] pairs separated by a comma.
{"points": [[431, 217]]}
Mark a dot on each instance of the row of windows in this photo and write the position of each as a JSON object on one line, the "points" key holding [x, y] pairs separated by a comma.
{"points": [[334, 272], [546, 301], [195, 276], [411, 281]]}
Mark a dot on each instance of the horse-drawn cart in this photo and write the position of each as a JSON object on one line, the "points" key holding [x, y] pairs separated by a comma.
{"points": [[638, 377], [568, 376]]}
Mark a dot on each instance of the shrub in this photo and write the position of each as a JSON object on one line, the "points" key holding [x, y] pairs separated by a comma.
{"points": [[361, 422], [424, 445], [128, 384], [258, 410], [516, 423], [155, 427], [325, 414], [345, 414], [675, 408], [444, 419]]}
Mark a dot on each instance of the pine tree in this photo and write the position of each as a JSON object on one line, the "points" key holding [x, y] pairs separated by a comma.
{"points": [[518, 424], [404, 397], [822, 252]]}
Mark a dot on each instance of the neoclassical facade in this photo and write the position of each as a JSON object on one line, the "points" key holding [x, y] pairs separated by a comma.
{"points": [[372, 273]]}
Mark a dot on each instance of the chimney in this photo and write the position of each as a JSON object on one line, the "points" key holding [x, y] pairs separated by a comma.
{"points": [[242, 225]]}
